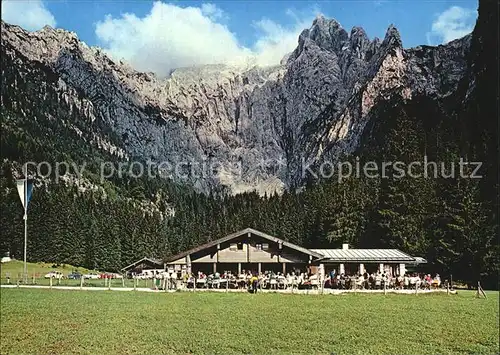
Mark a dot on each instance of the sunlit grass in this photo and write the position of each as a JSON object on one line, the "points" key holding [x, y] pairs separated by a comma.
{"points": [[110, 322], [15, 269]]}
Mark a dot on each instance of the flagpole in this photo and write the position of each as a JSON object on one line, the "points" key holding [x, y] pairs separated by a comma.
{"points": [[25, 226]]}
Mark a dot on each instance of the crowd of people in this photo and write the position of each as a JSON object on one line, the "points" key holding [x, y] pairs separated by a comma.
{"points": [[379, 280], [252, 280], [300, 280]]}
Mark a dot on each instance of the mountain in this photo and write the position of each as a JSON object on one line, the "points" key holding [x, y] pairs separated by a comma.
{"points": [[255, 126], [240, 134]]}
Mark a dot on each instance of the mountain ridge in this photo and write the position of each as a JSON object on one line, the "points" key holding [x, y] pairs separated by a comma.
{"points": [[313, 107], [379, 102]]}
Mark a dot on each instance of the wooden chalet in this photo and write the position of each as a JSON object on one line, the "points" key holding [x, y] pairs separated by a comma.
{"points": [[144, 264], [255, 251], [249, 250]]}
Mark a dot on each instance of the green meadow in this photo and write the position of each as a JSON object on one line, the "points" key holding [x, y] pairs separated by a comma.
{"points": [[43, 321], [14, 269]]}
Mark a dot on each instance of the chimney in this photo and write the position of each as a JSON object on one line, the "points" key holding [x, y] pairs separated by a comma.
{"points": [[345, 246]]}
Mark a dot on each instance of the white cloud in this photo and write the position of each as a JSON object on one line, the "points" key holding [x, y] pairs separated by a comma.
{"points": [[29, 14], [451, 24], [276, 40], [171, 36], [212, 11]]}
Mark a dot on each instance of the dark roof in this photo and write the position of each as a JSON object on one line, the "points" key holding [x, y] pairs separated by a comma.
{"points": [[149, 260], [238, 234], [419, 260], [365, 255]]}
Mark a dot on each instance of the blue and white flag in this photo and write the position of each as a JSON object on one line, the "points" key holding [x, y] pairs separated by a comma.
{"points": [[25, 190]]}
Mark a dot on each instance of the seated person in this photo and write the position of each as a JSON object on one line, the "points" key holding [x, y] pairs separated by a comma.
{"points": [[371, 280], [428, 281], [360, 280], [437, 281], [399, 282]]}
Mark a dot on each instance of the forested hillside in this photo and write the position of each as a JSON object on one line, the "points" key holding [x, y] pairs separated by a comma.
{"points": [[452, 222]]}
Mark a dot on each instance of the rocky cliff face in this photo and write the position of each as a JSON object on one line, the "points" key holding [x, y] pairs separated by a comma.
{"points": [[242, 127]]}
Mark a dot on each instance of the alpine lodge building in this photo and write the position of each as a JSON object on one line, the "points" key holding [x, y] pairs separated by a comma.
{"points": [[258, 252]]}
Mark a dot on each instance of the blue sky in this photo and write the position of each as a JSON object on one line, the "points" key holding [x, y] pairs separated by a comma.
{"points": [[412, 18], [194, 32]]}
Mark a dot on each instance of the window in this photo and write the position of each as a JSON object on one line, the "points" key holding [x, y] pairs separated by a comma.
{"points": [[265, 246], [233, 247], [258, 246], [240, 246]]}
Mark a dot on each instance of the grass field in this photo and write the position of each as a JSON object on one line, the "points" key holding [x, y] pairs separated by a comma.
{"points": [[110, 322], [15, 269]]}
